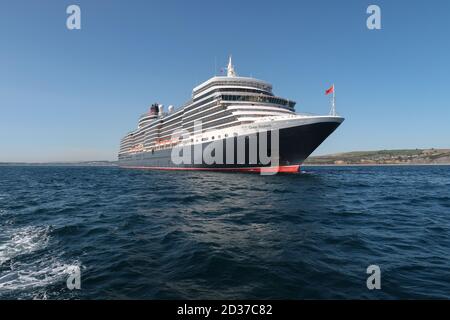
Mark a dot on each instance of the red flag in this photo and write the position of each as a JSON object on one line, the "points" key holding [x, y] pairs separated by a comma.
{"points": [[331, 90]]}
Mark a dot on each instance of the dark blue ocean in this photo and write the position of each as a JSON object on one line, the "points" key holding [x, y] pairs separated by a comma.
{"points": [[200, 235]]}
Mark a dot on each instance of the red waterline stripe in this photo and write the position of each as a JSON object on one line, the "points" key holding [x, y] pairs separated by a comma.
{"points": [[280, 169]]}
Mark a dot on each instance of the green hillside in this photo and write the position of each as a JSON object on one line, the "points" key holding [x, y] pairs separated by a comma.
{"points": [[407, 156]]}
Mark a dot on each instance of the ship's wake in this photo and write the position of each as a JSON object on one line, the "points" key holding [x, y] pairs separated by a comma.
{"points": [[24, 265]]}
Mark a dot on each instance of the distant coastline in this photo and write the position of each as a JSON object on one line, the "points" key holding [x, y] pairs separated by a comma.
{"points": [[356, 158], [375, 165], [384, 157], [62, 164]]}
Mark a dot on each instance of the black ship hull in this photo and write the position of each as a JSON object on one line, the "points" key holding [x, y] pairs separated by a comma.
{"points": [[295, 145]]}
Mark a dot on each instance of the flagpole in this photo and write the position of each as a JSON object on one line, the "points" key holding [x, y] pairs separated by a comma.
{"points": [[333, 103]]}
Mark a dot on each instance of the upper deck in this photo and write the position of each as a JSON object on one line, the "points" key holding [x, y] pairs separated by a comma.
{"points": [[240, 82]]}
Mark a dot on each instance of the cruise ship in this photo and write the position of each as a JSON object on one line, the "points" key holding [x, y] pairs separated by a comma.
{"points": [[231, 123]]}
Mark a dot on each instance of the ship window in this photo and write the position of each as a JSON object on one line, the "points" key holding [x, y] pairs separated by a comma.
{"points": [[262, 98], [212, 138]]}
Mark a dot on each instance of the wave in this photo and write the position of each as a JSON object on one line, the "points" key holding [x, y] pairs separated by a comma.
{"points": [[40, 273], [23, 241], [20, 269]]}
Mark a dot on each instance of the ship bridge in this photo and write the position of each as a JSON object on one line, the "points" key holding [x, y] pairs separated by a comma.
{"points": [[229, 82]]}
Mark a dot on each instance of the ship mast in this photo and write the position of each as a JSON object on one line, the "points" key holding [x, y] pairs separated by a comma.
{"points": [[230, 69]]}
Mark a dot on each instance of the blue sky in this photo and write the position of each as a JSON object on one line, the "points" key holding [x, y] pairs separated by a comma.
{"points": [[71, 95]]}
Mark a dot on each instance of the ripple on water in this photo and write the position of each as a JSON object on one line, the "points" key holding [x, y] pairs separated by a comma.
{"points": [[153, 235], [25, 262], [37, 273], [23, 241]]}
